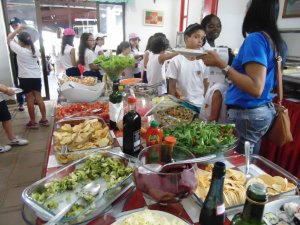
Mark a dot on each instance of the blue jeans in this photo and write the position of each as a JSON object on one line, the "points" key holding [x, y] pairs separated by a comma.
{"points": [[251, 125]]}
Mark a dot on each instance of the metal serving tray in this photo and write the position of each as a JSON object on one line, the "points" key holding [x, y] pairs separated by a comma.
{"points": [[65, 154], [102, 201], [258, 165]]}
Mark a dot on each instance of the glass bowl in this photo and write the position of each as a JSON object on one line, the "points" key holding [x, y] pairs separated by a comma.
{"points": [[169, 186]]}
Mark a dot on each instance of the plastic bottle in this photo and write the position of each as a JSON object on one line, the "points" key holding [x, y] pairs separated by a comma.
{"points": [[213, 210], [115, 106], [167, 155], [254, 206], [131, 129], [154, 134]]}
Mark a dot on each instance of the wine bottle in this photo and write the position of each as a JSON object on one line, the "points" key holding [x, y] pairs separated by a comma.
{"points": [[213, 210], [254, 206], [132, 129], [115, 106]]}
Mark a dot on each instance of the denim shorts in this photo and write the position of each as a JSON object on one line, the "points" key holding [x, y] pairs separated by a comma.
{"points": [[251, 125]]}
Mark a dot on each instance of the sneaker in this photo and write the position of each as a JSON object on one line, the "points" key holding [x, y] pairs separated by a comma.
{"points": [[18, 141], [44, 123], [21, 108], [4, 148], [32, 125]]}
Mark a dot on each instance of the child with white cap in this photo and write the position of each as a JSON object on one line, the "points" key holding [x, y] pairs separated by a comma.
{"points": [[100, 41], [134, 40]]}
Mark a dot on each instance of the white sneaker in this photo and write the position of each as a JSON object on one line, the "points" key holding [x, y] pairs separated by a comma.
{"points": [[4, 148], [18, 141]]}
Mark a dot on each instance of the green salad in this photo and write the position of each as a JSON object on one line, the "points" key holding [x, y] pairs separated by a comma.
{"points": [[203, 138], [114, 65], [112, 170]]}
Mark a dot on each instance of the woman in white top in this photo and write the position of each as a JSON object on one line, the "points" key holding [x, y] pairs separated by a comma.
{"points": [[67, 57], [156, 71], [29, 74], [87, 56]]}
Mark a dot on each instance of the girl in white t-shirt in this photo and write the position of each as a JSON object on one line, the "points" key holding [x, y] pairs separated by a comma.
{"points": [[67, 54], [123, 49], [29, 74], [186, 74], [87, 56], [134, 41], [156, 63]]}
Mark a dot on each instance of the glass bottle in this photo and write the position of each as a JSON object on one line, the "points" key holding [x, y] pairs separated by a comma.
{"points": [[131, 129], [115, 106], [254, 206], [213, 209]]}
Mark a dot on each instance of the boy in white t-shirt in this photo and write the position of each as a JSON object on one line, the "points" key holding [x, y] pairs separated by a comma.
{"points": [[185, 73], [156, 67]]}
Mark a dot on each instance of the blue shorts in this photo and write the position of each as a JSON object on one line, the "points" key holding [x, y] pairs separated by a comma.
{"points": [[30, 84], [251, 125], [4, 112]]}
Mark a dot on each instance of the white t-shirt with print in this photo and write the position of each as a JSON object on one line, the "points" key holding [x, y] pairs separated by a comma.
{"points": [[66, 57], [28, 66], [206, 111], [189, 76], [139, 67], [89, 57], [156, 73]]}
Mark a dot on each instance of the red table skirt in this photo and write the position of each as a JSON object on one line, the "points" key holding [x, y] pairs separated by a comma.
{"points": [[287, 156]]}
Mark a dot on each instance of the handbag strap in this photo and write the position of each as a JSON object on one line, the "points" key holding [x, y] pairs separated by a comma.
{"points": [[278, 58]]}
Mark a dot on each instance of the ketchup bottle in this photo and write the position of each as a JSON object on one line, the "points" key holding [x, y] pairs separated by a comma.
{"points": [[154, 134]]}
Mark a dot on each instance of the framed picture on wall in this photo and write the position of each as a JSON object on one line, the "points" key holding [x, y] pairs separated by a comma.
{"points": [[153, 18], [291, 8]]}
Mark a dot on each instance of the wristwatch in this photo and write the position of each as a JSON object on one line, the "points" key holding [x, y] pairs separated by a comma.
{"points": [[225, 70]]}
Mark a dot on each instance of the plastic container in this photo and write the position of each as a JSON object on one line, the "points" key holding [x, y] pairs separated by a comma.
{"points": [[154, 134]]}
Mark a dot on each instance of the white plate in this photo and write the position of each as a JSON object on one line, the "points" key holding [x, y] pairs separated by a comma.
{"points": [[16, 90], [156, 213], [189, 52]]}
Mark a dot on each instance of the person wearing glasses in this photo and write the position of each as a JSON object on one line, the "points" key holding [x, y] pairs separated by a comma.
{"points": [[87, 56], [253, 73], [186, 73]]}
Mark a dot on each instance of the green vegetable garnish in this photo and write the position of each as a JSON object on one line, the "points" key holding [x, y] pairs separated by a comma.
{"points": [[203, 138], [113, 65]]}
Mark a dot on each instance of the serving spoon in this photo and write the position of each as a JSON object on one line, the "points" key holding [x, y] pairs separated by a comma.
{"points": [[91, 188], [178, 164]]}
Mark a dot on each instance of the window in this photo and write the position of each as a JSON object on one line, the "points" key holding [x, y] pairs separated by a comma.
{"points": [[183, 14]]}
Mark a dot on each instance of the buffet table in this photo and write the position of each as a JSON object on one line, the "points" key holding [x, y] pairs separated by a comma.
{"points": [[133, 200]]}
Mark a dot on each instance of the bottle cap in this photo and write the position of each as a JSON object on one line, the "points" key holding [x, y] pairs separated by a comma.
{"points": [[155, 123], [132, 100], [121, 87], [170, 140]]}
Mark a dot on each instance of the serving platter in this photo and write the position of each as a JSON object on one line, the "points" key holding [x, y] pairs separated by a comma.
{"points": [[16, 90], [189, 52], [154, 214]]}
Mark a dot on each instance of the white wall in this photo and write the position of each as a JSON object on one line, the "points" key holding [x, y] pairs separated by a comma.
{"points": [[6, 73], [231, 13], [134, 19]]}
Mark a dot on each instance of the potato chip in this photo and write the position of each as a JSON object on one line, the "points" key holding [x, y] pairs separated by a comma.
{"points": [[268, 179]]}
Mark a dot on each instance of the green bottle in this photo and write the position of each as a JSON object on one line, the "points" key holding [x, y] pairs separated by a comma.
{"points": [[115, 106], [254, 206], [213, 209]]}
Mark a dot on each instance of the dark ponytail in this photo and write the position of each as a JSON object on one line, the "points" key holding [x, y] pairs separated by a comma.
{"points": [[25, 38]]}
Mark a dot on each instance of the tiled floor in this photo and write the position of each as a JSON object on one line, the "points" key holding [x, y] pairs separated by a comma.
{"points": [[22, 165]]}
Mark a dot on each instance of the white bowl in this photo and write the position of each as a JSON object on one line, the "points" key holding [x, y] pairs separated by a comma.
{"points": [[77, 94]]}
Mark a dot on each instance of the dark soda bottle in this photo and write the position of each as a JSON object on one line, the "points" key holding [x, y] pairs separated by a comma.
{"points": [[213, 210], [254, 206], [131, 129], [115, 106]]}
